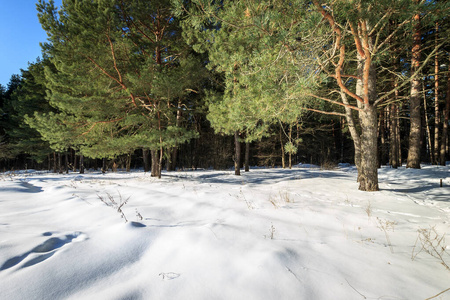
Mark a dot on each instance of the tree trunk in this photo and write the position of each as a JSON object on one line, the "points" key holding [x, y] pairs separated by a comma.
{"points": [[437, 117], [60, 167], [74, 167], [394, 130], [444, 139], [237, 154], [81, 164], [341, 149], [169, 160], [128, 168], [55, 163], [66, 162], [427, 127], [383, 144], [155, 164], [369, 164], [297, 142], [395, 155], [172, 164], [399, 140], [193, 156], [172, 161], [353, 133], [290, 140], [360, 93], [104, 165], [160, 160], [146, 160], [394, 126], [415, 118], [247, 157], [368, 180], [283, 163]]}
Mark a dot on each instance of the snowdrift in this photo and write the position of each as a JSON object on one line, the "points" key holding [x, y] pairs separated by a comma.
{"points": [[304, 233]]}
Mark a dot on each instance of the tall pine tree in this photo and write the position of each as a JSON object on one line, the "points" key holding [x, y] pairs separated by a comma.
{"points": [[122, 74]]}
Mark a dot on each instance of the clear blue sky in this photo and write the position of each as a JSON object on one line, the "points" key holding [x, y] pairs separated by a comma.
{"points": [[20, 36]]}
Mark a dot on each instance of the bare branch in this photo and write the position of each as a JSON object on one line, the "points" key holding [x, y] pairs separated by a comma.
{"points": [[335, 102], [387, 39], [413, 76], [325, 112], [113, 54]]}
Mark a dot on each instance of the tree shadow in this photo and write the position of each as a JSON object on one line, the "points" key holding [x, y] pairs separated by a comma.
{"points": [[438, 193], [256, 177]]}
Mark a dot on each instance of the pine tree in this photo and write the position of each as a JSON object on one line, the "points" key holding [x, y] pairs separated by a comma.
{"points": [[26, 100], [122, 74], [262, 70], [2, 95], [3, 145], [446, 117], [2, 114], [347, 41], [415, 103], [7, 111]]}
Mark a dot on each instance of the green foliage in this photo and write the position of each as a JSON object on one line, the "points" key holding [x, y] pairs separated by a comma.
{"points": [[51, 127], [27, 98], [122, 75], [121, 72], [2, 96], [289, 147], [258, 47]]}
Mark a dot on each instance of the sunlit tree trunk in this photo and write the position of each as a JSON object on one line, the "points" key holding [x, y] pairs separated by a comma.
{"points": [[155, 163], [369, 141], [437, 117], [369, 162], [353, 133], [414, 102]]}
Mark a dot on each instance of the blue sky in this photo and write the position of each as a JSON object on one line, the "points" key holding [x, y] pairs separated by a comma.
{"points": [[20, 36]]}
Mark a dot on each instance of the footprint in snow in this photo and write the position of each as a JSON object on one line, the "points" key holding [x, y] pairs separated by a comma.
{"points": [[169, 276], [43, 251]]}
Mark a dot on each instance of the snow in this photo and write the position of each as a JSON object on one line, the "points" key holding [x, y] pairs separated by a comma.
{"points": [[304, 233]]}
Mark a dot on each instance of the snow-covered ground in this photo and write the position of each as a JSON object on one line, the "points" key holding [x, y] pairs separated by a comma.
{"points": [[277, 234]]}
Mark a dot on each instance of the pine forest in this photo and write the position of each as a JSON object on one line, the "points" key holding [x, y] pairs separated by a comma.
{"points": [[176, 84]]}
